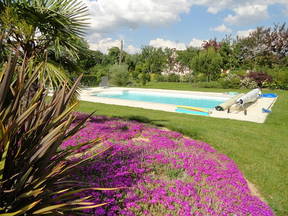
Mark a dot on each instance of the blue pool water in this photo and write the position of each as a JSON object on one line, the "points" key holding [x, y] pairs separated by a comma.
{"points": [[175, 99]]}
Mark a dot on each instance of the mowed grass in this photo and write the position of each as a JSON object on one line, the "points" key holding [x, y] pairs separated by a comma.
{"points": [[260, 150]]}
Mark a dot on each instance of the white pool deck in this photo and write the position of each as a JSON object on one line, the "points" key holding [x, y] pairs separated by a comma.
{"points": [[254, 111]]}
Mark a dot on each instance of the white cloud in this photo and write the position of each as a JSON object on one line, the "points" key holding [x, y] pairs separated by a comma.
{"points": [[222, 28], [162, 43], [247, 14], [132, 50], [108, 15], [244, 11], [244, 33], [196, 43], [104, 44], [216, 6]]}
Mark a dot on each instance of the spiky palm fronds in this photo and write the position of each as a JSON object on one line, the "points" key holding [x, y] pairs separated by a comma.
{"points": [[35, 26], [34, 172]]}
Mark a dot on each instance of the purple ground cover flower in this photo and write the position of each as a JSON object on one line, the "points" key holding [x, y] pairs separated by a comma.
{"points": [[163, 173]]}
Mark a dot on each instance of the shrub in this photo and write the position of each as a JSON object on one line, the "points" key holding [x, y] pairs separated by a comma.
{"points": [[119, 75], [211, 84], [248, 83], [230, 81], [34, 172], [90, 80], [280, 78], [161, 78], [143, 78], [261, 78], [239, 72], [154, 77], [98, 70], [173, 77], [187, 77]]}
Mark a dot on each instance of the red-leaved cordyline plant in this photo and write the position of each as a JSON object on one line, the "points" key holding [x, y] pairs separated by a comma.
{"points": [[34, 171]]}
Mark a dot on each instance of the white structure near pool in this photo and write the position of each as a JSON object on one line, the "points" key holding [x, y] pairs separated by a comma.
{"points": [[199, 103]]}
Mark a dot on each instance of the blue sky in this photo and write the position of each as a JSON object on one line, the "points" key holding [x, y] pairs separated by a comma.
{"points": [[176, 23]]}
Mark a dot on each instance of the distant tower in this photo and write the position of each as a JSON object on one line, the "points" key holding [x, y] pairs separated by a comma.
{"points": [[121, 51]]}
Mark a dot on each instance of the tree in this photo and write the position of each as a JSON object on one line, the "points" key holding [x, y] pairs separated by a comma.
{"points": [[228, 56], [115, 56], [38, 26], [185, 57], [211, 43], [119, 75], [209, 63], [264, 46], [131, 61], [153, 59]]}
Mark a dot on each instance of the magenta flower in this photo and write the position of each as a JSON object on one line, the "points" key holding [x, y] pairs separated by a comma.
{"points": [[162, 173]]}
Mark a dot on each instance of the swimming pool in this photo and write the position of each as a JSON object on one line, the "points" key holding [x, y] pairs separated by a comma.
{"points": [[164, 98], [109, 96]]}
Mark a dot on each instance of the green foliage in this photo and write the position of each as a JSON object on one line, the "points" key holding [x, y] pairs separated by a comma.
{"points": [[185, 56], [230, 81], [154, 77], [239, 72], [153, 60], [143, 78], [172, 77], [248, 83], [211, 84], [131, 61], [90, 80], [208, 62], [115, 56], [34, 171], [119, 75], [187, 77], [140, 74], [94, 75], [161, 78], [228, 56], [280, 78], [36, 25], [89, 58], [43, 29]]}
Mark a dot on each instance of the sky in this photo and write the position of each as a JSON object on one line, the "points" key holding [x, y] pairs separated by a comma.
{"points": [[176, 23]]}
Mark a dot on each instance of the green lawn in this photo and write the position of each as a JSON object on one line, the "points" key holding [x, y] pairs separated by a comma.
{"points": [[260, 150]]}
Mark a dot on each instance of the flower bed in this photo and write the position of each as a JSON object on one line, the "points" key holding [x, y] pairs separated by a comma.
{"points": [[164, 173]]}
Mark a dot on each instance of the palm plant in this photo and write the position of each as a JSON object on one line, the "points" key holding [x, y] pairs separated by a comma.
{"points": [[37, 26], [34, 171]]}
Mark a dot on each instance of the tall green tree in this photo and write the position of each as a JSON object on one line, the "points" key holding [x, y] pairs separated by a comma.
{"points": [[185, 57], [115, 56], [209, 63], [227, 53], [153, 59]]}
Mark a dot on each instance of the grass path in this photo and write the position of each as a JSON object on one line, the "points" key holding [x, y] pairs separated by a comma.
{"points": [[260, 150]]}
